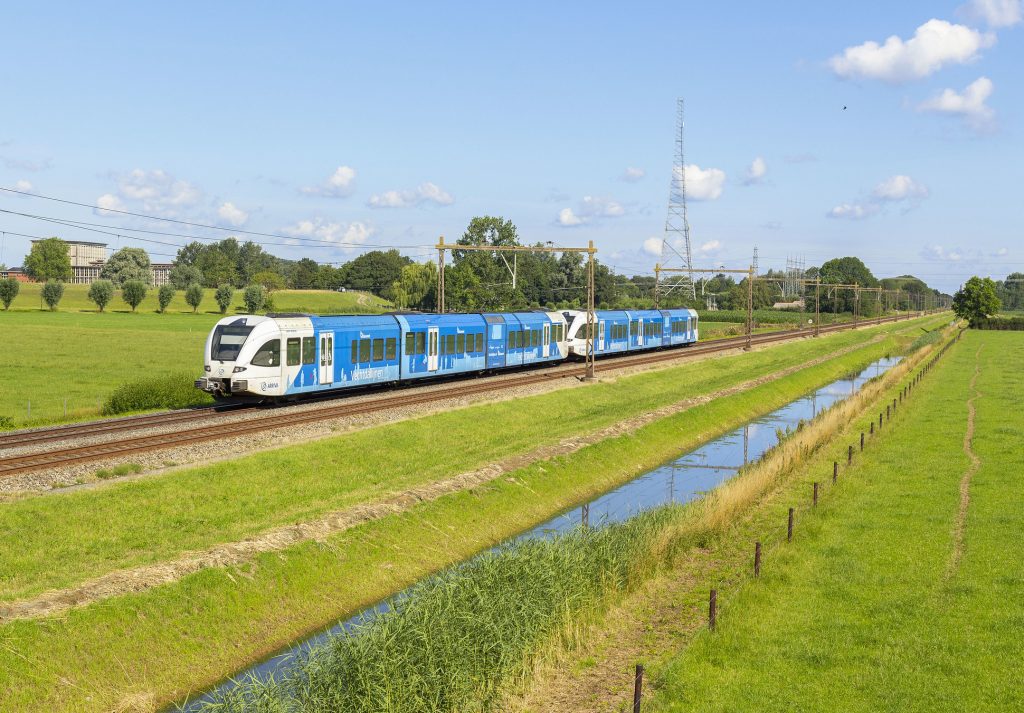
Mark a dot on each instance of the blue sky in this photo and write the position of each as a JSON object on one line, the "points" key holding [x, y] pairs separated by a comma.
{"points": [[392, 124]]}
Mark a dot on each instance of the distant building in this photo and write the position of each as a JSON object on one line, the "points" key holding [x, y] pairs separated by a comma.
{"points": [[161, 272], [87, 260], [17, 273]]}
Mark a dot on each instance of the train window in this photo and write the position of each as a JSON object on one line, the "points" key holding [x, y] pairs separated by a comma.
{"points": [[450, 339], [535, 338], [294, 351], [421, 343], [323, 351], [269, 354], [460, 344], [480, 342], [308, 350], [330, 350], [364, 351], [354, 356], [378, 350], [390, 347], [227, 341], [410, 343]]}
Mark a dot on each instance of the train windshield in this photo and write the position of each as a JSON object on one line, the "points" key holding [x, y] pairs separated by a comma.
{"points": [[227, 341]]}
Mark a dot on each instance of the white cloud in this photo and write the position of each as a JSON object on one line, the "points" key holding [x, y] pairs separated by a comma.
{"points": [[935, 44], [24, 186], [940, 253], [345, 235], [600, 207], [853, 211], [589, 208], [154, 192], [756, 172], [108, 202], [232, 215], [711, 247], [652, 246], [969, 105], [995, 13], [1001, 252], [424, 193], [632, 175], [339, 184], [568, 219], [898, 189], [703, 184]]}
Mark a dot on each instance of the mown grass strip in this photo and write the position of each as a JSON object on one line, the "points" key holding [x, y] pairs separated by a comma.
{"points": [[155, 646], [858, 613], [129, 524]]}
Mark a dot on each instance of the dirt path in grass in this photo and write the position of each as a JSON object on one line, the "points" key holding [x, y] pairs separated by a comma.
{"points": [[965, 482], [230, 554]]}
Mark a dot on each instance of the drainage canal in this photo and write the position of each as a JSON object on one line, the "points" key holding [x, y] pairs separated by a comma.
{"points": [[682, 480]]}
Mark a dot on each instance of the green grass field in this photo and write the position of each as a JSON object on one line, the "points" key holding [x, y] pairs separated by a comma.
{"points": [[864, 611], [77, 356], [146, 646]]}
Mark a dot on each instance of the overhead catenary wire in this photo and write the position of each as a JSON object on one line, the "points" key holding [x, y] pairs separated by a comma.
{"points": [[205, 226]]}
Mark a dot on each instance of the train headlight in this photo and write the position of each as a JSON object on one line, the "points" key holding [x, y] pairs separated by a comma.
{"points": [[238, 369]]}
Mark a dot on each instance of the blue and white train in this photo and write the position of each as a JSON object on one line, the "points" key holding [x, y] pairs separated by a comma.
{"points": [[285, 356]]}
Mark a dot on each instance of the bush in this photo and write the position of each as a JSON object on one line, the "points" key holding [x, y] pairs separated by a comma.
{"points": [[9, 288], [6, 423], [101, 292], [53, 291], [1000, 323], [193, 296], [171, 391], [165, 295], [254, 298], [133, 292], [223, 296]]}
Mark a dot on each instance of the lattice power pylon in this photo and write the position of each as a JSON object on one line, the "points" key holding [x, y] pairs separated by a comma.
{"points": [[675, 245]]}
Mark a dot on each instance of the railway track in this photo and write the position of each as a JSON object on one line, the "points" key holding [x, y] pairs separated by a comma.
{"points": [[131, 445]]}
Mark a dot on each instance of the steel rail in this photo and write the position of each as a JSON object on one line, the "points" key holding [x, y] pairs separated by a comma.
{"points": [[30, 462]]}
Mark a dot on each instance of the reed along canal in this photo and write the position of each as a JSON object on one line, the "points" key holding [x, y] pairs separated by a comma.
{"points": [[680, 481]]}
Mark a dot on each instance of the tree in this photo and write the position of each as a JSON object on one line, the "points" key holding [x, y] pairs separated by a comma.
{"points": [[254, 297], [976, 300], [269, 279], [223, 296], [128, 265], [183, 275], [417, 287], [133, 292], [1011, 291], [52, 292], [48, 260], [194, 296], [375, 271], [164, 296], [847, 271], [9, 288], [303, 273], [217, 267], [189, 255], [101, 292]]}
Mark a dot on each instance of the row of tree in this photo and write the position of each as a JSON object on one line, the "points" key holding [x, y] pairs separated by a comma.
{"points": [[481, 280]]}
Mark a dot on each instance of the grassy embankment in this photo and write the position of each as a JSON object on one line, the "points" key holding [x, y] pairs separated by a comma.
{"points": [[537, 596], [869, 609], [163, 641], [81, 356]]}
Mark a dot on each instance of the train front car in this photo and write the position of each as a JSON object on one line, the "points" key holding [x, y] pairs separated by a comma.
{"points": [[243, 356]]}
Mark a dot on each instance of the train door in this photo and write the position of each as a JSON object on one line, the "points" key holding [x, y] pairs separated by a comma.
{"points": [[547, 340], [600, 335], [432, 348], [639, 332], [326, 357]]}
